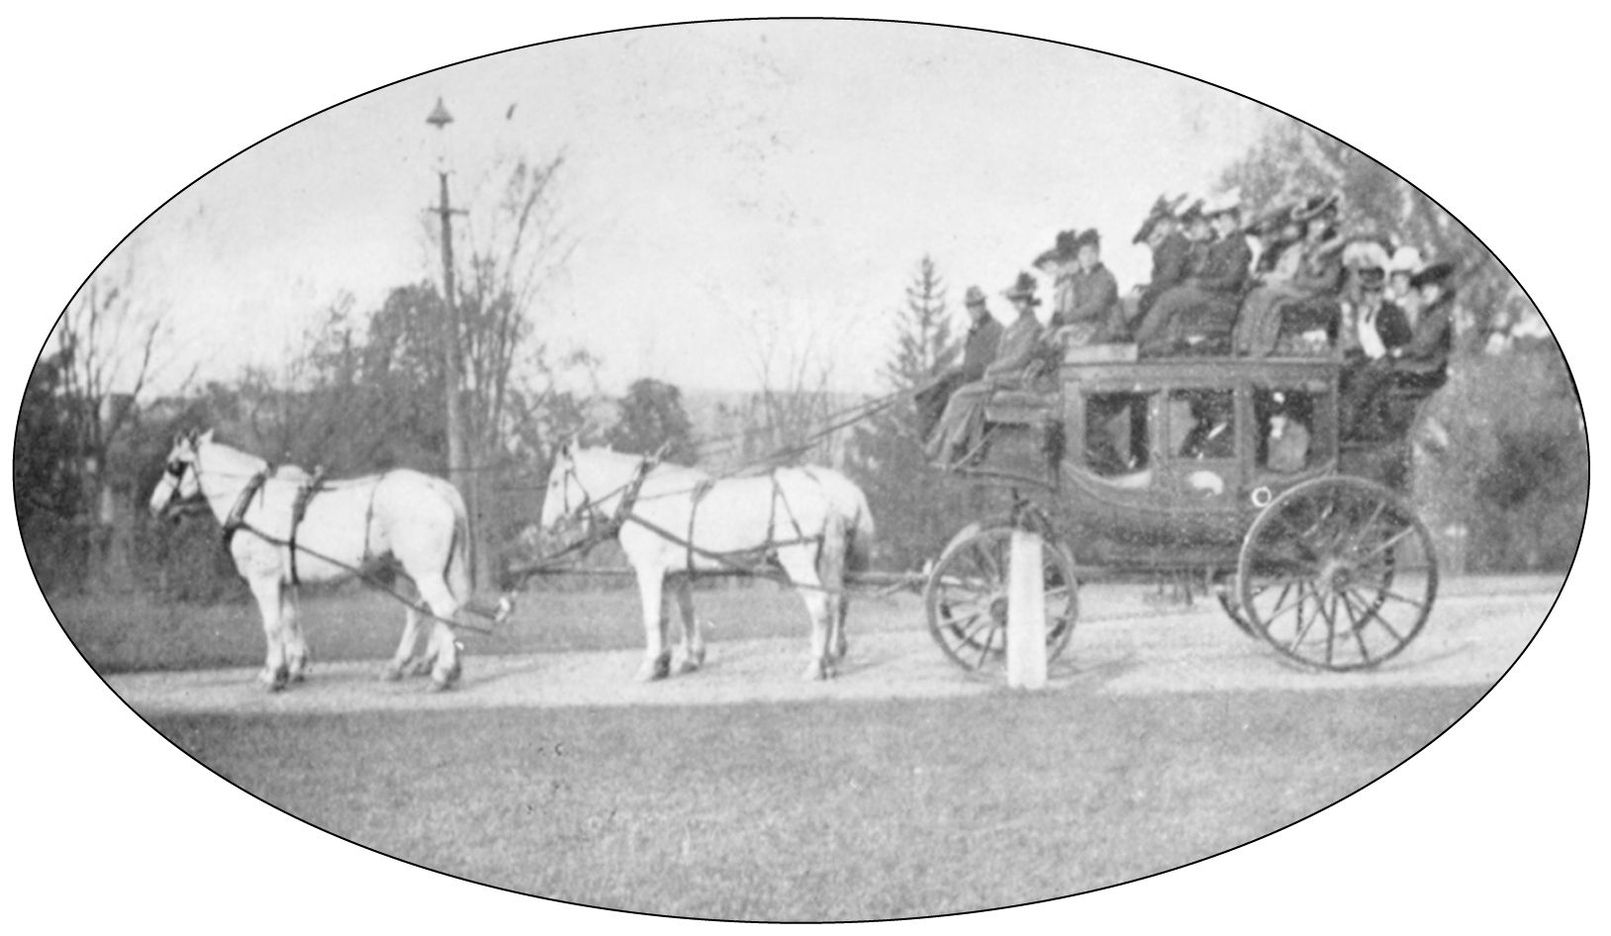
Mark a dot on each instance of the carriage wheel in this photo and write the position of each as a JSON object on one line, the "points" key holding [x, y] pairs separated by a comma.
{"points": [[1227, 591], [966, 598], [1337, 573]]}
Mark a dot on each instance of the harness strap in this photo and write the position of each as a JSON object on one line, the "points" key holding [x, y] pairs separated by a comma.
{"points": [[698, 494], [237, 513], [299, 509]]}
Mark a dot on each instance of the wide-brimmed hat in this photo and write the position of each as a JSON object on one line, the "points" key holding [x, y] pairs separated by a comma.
{"points": [[1363, 254], [1223, 203], [1405, 260], [974, 296], [1271, 222], [1024, 289], [1162, 210], [1435, 273], [1193, 213], [1315, 206], [1063, 248]]}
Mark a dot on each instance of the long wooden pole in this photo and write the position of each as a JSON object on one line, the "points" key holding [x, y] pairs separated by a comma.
{"points": [[452, 353]]}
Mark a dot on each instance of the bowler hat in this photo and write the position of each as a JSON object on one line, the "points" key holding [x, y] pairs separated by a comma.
{"points": [[1088, 237], [1435, 273], [974, 296], [1024, 289]]}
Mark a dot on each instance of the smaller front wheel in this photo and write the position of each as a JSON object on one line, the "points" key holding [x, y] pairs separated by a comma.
{"points": [[966, 598]]}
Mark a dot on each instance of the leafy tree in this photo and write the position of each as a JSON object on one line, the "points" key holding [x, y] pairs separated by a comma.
{"points": [[651, 416]]}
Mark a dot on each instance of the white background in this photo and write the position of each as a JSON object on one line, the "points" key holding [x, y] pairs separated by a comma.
{"points": [[109, 111]]}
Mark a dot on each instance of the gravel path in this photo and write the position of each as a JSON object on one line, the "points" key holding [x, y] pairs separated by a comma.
{"points": [[1472, 638]]}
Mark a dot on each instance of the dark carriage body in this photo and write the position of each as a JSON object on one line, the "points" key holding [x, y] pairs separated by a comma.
{"points": [[1231, 473], [1116, 449]]}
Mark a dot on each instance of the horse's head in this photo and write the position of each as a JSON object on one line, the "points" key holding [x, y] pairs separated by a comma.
{"points": [[565, 497], [181, 481]]}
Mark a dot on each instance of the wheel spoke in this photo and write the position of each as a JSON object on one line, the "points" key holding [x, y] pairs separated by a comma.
{"points": [[1331, 626], [1356, 627], [984, 651], [1389, 593], [1303, 625], [1359, 535], [1372, 615], [1281, 609], [1389, 544]]}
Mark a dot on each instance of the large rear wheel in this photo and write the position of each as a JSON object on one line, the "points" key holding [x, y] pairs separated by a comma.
{"points": [[1338, 574], [966, 598]]}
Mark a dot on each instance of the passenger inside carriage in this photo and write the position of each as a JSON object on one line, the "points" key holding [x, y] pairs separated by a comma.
{"points": [[1118, 441]]}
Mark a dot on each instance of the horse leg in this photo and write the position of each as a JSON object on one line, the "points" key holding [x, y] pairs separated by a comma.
{"points": [[404, 656], [656, 656], [831, 568], [800, 564], [442, 646], [296, 646], [266, 589], [693, 641]]}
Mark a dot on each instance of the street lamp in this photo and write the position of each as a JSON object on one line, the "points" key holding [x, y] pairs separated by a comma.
{"points": [[458, 466]]}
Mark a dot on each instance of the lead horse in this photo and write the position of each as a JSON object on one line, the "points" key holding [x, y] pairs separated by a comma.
{"points": [[415, 519], [674, 522]]}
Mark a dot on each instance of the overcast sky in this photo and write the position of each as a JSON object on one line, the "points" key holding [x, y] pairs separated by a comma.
{"points": [[791, 173]]}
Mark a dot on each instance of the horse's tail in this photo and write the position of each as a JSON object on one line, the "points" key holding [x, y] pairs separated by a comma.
{"points": [[859, 534], [850, 503], [457, 573]]}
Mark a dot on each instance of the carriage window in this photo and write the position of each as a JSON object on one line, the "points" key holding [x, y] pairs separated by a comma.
{"points": [[1287, 439], [1202, 424], [1116, 434]]}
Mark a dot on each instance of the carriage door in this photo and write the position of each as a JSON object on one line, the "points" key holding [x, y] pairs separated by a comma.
{"points": [[1201, 441]]}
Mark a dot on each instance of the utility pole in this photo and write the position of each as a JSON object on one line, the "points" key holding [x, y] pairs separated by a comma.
{"points": [[458, 454]]}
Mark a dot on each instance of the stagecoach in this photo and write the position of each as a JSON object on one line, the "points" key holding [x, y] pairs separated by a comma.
{"points": [[1225, 474]]}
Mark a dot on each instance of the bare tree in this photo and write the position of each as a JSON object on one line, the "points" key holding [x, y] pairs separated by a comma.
{"points": [[110, 344]]}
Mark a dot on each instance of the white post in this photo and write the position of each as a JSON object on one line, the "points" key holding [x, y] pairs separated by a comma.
{"points": [[1026, 614]]}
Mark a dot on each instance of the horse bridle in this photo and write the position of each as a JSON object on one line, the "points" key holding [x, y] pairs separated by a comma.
{"points": [[628, 491]]}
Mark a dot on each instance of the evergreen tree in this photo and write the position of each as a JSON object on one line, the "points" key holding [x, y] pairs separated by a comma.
{"points": [[917, 507]]}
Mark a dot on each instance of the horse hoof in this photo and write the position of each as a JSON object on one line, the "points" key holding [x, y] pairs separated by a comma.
{"points": [[816, 671], [439, 685], [391, 673], [654, 670], [688, 665]]}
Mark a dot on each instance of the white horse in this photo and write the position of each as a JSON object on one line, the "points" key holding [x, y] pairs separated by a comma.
{"points": [[413, 518], [813, 521]]}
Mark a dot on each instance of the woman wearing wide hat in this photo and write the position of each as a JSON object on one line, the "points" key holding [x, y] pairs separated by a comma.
{"points": [[1311, 284]]}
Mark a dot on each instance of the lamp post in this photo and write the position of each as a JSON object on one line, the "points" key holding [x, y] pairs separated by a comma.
{"points": [[458, 459]]}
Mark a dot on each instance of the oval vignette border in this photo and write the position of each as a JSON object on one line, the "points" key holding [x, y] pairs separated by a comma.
{"points": [[1050, 34]]}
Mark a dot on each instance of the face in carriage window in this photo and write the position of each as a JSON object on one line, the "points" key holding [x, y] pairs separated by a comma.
{"points": [[1287, 441], [1203, 424]]}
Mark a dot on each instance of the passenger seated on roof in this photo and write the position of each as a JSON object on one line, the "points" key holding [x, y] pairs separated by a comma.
{"points": [[1092, 313], [1200, 314], [1171, 252], [978, 351], [1309, 281], [1418, 364], [961, 426]]}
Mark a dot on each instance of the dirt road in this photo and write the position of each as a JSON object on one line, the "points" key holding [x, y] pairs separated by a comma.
{"points": [[1474, 635]]}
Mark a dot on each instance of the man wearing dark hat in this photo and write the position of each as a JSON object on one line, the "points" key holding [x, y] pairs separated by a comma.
{"points": [[978, 351], [1170, 252], [1201, 312], [1093, 313], [959, 429], [1392, 354]]}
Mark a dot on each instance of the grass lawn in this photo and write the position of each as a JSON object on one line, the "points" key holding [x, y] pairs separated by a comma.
{"points": [[840, 810]]}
